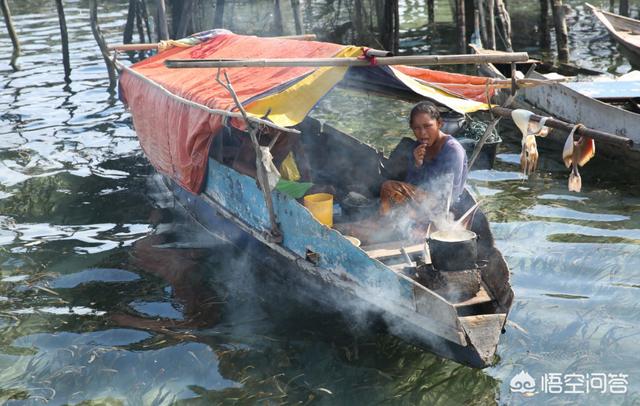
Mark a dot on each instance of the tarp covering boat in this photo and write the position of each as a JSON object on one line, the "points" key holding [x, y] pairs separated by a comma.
{"points": [[176, 132]]}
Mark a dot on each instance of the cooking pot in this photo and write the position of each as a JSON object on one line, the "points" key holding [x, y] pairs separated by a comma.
{"points": [[453, 250]]}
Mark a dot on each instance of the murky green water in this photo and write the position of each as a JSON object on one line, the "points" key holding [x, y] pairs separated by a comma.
{"points": [[99, 303]]}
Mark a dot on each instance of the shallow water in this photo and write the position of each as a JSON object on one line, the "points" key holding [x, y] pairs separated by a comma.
{"points": [[106, 297]]}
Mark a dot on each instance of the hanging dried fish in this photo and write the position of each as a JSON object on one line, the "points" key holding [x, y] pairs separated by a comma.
{"points": [[577, 153], [530, 130]]}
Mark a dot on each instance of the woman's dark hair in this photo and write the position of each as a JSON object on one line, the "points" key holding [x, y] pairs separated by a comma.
{"points": [[424, 107]]}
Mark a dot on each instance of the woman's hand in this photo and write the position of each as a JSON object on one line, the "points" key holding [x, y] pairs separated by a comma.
{"points": [[418, 154]]}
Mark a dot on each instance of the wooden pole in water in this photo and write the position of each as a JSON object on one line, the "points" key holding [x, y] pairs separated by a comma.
{"points": [[218, 21], [64, 37], [12, 33], [462, 28], [492, 23], [624, 8], [505, 21], [431, 12], [127, 35], [97, 34], [162, 29], [297, 16], [278, 28], [483, 22], [561, 31], [545, 34], [413, 60], [139, 22], [145, 17]]}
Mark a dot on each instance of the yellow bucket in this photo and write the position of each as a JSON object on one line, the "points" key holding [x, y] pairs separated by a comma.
{"points": [[321, 206]]}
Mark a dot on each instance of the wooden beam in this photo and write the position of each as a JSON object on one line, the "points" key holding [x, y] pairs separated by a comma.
{"points": [[414, 60]]}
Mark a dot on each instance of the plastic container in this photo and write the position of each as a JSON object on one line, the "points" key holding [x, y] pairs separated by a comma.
{"points": [[321, 206]]}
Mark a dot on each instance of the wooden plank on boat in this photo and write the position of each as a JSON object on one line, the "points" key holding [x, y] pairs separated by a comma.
{"points": [[391, 249], [484, 332], [481, 297]]}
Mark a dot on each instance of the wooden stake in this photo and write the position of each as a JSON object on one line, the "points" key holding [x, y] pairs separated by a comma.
{"points": [[483, 21], [139, 22], [127, 35], [624, 8], [97, 34], [277, 18], [561, 31], [162, 29], [218, 21], [64, 37], [145, 18], [492, 24], [431, 12], [297, 16], [353, 61], [545, 34], [462, 28], [505, 21]]}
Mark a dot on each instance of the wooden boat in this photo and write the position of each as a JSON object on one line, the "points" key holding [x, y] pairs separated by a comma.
{"points": [[625, 30], [378, 277], [596, 104]]}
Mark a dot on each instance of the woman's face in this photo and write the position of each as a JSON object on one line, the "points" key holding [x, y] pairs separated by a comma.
{"points": [[425, 128]]}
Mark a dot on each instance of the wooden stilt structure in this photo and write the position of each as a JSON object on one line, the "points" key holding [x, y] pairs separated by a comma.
{"points": [[561, 31], [64, 38], [12, 33], [624, 8], [297, 16], [462, 28], [545, 34], [278, 28], [505, 22], [97, 34], [431, 12], [491, 6], [162, 29]]}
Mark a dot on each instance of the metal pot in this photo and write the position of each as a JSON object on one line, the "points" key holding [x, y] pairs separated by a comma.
{"points": [[453, 250]]}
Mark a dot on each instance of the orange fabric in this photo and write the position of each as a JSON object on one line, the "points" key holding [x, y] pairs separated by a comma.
{"points": [[470, 87], [179, 142]]}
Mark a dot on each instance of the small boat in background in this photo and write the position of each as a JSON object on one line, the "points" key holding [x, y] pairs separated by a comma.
{"points": [[598, 102], [625, 30]]}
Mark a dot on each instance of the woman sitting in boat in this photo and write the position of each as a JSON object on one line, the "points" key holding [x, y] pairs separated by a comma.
{"points": [[437, 168], [288, 157]]}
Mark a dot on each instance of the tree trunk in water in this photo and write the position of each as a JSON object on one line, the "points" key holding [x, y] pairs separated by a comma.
{"points": [[545, 33], [462, 29], [561, 31], [389, 29]]}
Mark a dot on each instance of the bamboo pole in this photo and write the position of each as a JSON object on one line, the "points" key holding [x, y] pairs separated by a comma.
{"points": [[64, 38], [318, 62], [162, 29], [597, 135], [561, 31], [97, 34], [154, 46], [492, 24]]}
